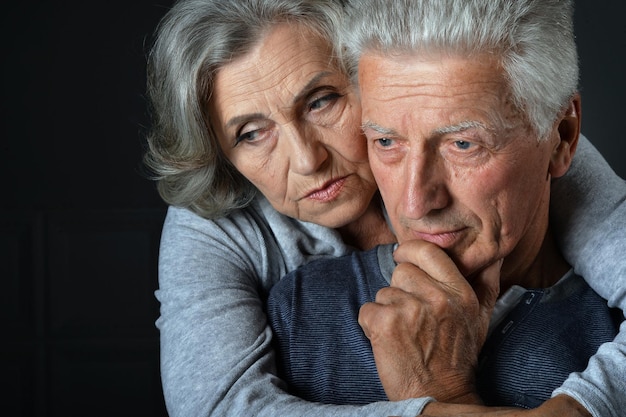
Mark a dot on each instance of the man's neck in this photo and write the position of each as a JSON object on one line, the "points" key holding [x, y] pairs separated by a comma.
{"points": [[544, 270]]}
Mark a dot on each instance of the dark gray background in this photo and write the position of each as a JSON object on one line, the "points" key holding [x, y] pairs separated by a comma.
{"points": [[79, 226], [601, 38], [73, 111]]}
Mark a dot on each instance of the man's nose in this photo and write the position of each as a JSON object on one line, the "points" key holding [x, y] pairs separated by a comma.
{"points": [[425, 187], [306, 152]]}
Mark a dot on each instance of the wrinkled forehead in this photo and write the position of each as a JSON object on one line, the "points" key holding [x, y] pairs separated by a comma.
{"points": [[275, 78], [412, 83]]}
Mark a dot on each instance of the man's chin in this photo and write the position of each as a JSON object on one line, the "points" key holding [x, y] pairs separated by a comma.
{"points": [[469, 268]]}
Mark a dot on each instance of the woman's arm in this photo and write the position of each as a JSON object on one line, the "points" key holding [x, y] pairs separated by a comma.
{"points": [[216, 347], [588, 212], [601, 388]]}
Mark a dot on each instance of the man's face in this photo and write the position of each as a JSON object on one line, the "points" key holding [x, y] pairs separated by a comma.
{"points": [[455, 162]]}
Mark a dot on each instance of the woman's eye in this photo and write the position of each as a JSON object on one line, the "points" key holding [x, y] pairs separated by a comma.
{"points": [[247, 137], [323, 101], [252, 132]]}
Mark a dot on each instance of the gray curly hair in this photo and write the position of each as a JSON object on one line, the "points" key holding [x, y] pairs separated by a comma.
{"points": [[193, 41]]}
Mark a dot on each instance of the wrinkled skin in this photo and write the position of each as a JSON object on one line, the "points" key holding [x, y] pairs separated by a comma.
{"points": [[466, 185]]}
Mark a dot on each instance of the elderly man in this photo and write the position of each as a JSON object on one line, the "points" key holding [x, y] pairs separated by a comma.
{"points": [[470, 109]]}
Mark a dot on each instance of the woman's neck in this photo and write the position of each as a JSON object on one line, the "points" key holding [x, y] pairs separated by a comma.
{"points": [[369, 230]]}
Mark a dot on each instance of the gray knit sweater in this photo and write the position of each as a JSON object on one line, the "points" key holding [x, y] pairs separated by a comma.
{"points": [[214, 276]]}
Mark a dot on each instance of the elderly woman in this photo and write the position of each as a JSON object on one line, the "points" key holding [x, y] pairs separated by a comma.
{"points": [[257, 148]]}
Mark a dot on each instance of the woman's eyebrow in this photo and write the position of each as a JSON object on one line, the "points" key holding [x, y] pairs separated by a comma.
{"points": [[304, 91], [242, 118]]}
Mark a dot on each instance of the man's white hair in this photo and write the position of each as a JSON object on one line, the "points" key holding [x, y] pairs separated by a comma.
{"points": [[533, 39]]}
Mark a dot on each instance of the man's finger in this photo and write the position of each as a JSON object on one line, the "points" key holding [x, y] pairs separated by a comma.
{"points": [[434, 262], [486, 285]]}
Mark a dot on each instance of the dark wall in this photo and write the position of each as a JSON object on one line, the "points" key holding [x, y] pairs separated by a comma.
{"points": [[79, 225], [601, 38], [73, 110]]}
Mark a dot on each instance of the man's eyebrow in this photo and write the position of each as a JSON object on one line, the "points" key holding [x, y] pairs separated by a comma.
{"points": [[377, 128], [459, 127], [304, 91]]}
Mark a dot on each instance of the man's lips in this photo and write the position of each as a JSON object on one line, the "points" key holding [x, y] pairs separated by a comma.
{"points": [[328, 191], [442, 239]]}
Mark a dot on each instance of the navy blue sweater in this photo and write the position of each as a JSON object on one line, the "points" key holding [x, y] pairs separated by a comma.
{"points": [[324, 356]]}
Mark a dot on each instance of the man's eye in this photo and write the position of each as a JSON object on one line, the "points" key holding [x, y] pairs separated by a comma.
{"points": [[462, 144], [324, 101], [385, 142]]}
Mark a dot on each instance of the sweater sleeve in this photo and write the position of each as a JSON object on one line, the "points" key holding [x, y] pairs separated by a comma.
{"points": [[216, 347], [588, 212], [601, 388], [589, 215]]}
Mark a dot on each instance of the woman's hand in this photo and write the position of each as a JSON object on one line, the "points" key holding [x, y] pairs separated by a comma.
{"points": [[559, 406]]}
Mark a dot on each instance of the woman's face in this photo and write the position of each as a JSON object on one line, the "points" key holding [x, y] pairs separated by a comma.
{"points": [[289, 121]]}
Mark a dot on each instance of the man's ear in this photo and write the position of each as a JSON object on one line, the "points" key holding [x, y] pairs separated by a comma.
{"points": [[568, 132]]}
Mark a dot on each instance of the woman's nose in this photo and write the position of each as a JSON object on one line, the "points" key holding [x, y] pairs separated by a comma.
{"points": [[307, 154]]}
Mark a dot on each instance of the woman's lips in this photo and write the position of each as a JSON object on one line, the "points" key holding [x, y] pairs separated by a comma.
{"points": [[329, 191]]}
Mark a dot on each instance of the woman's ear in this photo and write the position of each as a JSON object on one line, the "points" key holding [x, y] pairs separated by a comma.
{"points": [[568, 131]]}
